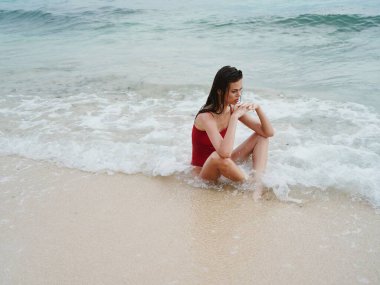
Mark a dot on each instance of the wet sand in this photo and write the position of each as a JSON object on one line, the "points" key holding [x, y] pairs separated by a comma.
{"points": [[64, 226]]}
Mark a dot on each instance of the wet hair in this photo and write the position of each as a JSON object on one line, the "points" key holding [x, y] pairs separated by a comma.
{"points": [[216, 99]]}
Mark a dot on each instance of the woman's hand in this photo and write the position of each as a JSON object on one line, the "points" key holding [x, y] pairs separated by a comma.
{"points": [[242, 108], [253, 106]]}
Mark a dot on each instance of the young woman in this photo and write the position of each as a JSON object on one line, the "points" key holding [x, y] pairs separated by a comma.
{"points": [[214, 128]]}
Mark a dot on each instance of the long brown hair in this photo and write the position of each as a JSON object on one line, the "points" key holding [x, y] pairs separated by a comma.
{"points": [[215, 102]]}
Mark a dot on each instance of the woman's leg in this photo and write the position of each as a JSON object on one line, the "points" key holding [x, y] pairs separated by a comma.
{"points": [[215, 166], [255, 145], [258, 147]]}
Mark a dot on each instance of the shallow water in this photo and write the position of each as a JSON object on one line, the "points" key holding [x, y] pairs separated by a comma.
{"points": [[103, 86]]}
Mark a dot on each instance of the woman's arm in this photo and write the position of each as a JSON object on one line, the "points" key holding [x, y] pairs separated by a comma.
{"points": [[263, 128], [223, 146]]}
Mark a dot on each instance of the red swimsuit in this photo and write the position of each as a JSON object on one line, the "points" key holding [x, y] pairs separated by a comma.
{"points": [[202, 146]]}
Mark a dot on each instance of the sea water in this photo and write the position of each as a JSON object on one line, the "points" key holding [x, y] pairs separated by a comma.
{"points": [[114, 86]]}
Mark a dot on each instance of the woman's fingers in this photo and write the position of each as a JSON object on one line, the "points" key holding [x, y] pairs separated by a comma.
{"points": [[254, 106], [247, 106], [250, 106], [241, 109]]}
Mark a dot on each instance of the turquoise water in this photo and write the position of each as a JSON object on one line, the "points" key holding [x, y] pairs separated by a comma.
{"points": [[329, 48], [80, 79]]}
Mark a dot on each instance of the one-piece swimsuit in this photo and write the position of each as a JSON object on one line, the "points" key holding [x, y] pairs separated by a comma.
{"points": [[202, 146]]}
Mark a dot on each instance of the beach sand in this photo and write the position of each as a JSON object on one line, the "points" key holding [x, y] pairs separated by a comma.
{"points": [[65, 226]]}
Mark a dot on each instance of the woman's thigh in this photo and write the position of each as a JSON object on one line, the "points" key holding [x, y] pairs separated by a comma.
{"points": [[244, 150], [215, 166], [210, 170]]}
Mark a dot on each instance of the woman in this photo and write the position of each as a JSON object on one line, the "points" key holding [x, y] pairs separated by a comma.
{"points": [[214, 128]]}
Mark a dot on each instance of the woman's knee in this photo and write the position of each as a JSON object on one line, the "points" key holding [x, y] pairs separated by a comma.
{"points": [[227, 167], [223, 163]]}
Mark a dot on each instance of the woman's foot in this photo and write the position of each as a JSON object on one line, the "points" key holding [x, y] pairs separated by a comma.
{"points": [[258, 191], [258, 188]]}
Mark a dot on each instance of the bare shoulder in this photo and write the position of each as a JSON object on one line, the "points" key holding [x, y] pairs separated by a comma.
{"points": [[205, 116], [203, 119]]}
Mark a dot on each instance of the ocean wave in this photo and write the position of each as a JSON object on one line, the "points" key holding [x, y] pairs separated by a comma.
{"points": [[341, 22], [318, 144], [40, 18], [108, 16], [14, 16]]}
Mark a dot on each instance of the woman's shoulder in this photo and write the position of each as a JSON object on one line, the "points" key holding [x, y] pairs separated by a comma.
{"points": [[205, 117], [202, 119]]}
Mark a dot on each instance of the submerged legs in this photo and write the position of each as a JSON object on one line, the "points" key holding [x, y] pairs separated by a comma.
{"points": [[255, 145], [258, 147]]}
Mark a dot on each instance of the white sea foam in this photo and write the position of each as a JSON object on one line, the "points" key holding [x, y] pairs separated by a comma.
{"points": [[320, 144]]}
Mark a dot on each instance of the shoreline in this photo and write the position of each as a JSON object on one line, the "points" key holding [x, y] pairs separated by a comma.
{"points": [[66, 226]]}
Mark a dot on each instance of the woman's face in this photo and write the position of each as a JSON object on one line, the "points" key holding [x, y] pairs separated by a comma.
{"points": [[234, 92]]}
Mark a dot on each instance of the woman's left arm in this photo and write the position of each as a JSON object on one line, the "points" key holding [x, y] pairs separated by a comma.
{"points": [[263, 128]]}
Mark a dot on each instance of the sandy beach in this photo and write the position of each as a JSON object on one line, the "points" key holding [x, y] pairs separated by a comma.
{"points": [[64, 226], [98, 101]]}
